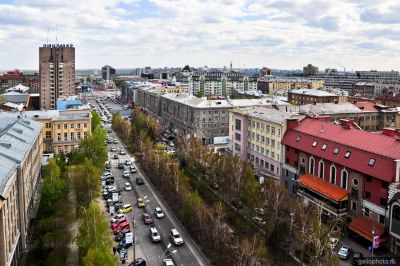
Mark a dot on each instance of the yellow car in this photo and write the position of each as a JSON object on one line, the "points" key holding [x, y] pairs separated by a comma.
{"points": [[126, 208], [140, 203]]}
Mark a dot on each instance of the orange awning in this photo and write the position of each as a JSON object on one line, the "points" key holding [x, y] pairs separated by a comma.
{"points": [[324, 188], [364, 226]]}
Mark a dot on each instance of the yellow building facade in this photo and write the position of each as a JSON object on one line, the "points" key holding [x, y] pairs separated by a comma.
{"points": [[286, 85], [63, 129]]}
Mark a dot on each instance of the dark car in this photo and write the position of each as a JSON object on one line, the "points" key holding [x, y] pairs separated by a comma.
{"points": [[138, 262], [122, 245], [357, 258], [146, 218], [121, 235], [139, 180], [237, 204], [121, 165]]}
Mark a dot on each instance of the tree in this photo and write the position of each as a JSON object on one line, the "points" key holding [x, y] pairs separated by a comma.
{"points": [[96, 120], [251, 193], [97, 257], [92, 147], [86, 182], [248, 251]]}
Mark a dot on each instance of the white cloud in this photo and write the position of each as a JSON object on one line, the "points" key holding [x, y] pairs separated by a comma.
{"points": [[132, 33]]}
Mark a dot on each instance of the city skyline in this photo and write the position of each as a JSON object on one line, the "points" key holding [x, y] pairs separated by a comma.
{"points": [[356, 35]]}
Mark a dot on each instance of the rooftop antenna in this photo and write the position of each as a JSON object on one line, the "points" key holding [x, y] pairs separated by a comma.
{"points": [[47, 39]]}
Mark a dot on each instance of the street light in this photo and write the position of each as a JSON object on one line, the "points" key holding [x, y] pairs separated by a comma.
{"points": [[162, 255], [173, 252], [373, 232]]}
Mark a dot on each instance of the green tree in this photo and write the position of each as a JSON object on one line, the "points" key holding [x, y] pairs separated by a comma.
{"points": [[251, 193], [97, 257], [86, 182], [92, 147], [96, 120]]}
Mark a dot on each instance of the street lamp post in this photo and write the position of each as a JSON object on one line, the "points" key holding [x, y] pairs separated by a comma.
{"points": [[168, 246]]}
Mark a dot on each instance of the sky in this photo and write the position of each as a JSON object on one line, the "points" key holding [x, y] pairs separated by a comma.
{"points": [[280, 34]]}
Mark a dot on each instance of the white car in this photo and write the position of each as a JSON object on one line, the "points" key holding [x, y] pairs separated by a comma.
{"points": [[154, 235], [333, 242], [168, 262], [125, 174], [128, 187], [117, 217], [176, 237], [158, 212], [128, 162], [344, 252]]}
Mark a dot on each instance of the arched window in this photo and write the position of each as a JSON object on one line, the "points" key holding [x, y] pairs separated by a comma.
{"points": [[321, 169], [345, 178], [333, 174], [311, 166]]}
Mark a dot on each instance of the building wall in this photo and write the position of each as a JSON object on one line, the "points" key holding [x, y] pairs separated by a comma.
{"points": [[236, 145], [299, 99], [57, 75]]}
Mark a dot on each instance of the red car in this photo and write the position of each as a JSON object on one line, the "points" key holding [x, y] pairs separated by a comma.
{"points": [[121, 227], [147, 219], [118, 222]]}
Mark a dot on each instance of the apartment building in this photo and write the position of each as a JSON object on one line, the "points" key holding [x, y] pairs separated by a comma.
{"points": [[272, 85], [149, 98], [310, 70], [57, 74], [20, 158], [346, 171], [62, 129], [13, 78], [255, 133], [392, 76], [107, 72], [307, 96]]}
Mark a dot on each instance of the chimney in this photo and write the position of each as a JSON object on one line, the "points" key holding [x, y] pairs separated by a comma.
{"points": [[292, 123]]}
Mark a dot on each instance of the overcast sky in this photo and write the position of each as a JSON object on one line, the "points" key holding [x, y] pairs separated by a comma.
{"points": [[355, 34]]}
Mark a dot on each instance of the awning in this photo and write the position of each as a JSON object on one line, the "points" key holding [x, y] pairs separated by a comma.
{"points": [[364, 226], [324, 188]]}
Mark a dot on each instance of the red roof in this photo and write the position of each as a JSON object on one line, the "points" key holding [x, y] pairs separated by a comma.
{"points": [[390, 97], [366, 106], [363, 146], [364, 227], [322, 187]]}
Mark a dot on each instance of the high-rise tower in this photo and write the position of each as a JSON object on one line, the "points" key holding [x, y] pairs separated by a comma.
{"points": [[57, 73]]}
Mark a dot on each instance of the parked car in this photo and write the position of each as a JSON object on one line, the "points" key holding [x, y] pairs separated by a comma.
{"points": [[154, 235], [126, 208], [123, 245], [120, 165], [140, 203], [168, 262], [237, 204], [344, 252], [128, 186], [115, 156], [333, 242], [128, 162], [357, 258], [139, 180], [175, 237], [146, 218], [121, 227], [118, 222], [258, 220], [116, 217], [122, 152], [115, 141], [158, 212], [126, 174]]}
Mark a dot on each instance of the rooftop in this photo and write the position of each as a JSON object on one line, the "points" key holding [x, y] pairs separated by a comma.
{"points": [[312, 92], [193, 101], [16, 138], [58, 114], [265, 113], [390, 97]]}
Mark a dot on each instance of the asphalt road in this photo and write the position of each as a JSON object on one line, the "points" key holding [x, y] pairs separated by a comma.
{"points": [[186, 255]]}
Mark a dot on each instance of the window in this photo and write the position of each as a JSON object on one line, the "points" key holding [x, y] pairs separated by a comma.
{"points": [[383, 202], [324, 147], [72, 135], [65, 136], [321, 170], [258, 125], [72, 125], [262, 139], [273, 130], [336, 150], [353, 206], [286, 172], [65, 126], [262, 127], [382, 219], [314, 143], [48, 125], [237, 136], [367, 195], [347, 154], [262, 150], [273, 155], [268, 129], [384, 185], [298, 138], [58, 126], [366, 212], [371, 162], [257, 148], [59, 136], [85, 134], [48, 135], [344, 179], [79, 125], [85, 125], [253, 124], [262, 162], [253, 136], [355, 182], [78, 135], [272, 168], [238, 124], [273, 143], [369, 179], [333, 174], [258, 138], [311, 166], [257, 160], [302, 160]]}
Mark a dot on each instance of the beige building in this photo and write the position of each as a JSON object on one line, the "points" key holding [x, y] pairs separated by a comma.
{"points": [[20, 158], [273, 85], [173, 89], [62, 129], [57, 73]]}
